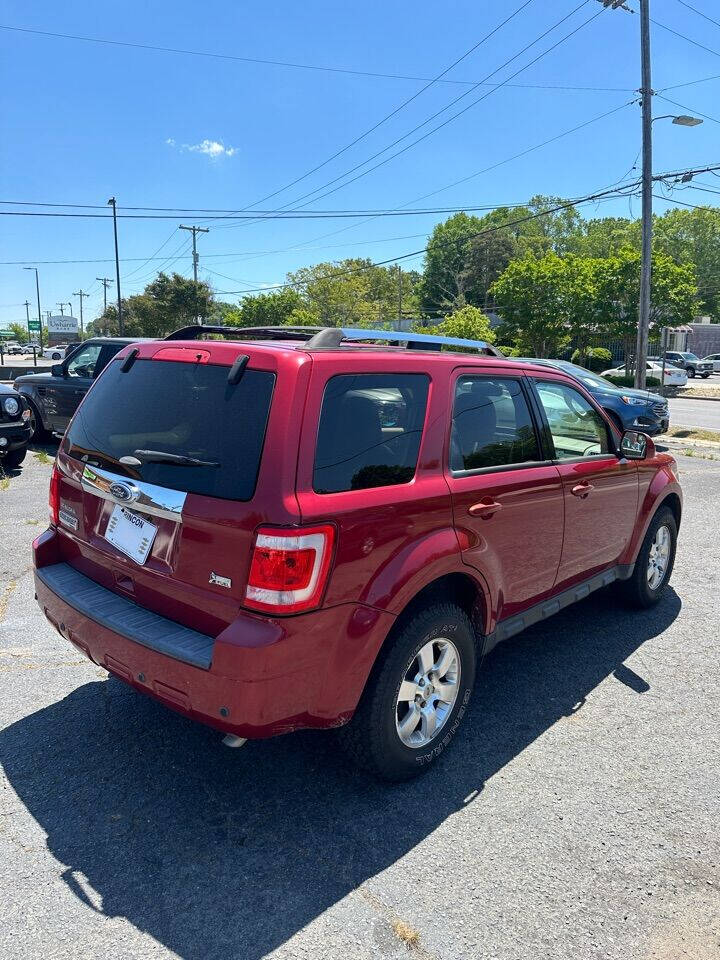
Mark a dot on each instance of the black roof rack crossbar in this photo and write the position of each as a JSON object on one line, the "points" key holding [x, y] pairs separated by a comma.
{"points": [[330, 338], [196, 331]]}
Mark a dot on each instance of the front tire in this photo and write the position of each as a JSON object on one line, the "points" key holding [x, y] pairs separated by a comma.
{"points": [[690, 372], [655, 561], [13, 459], [416, 696], [39, 433]]}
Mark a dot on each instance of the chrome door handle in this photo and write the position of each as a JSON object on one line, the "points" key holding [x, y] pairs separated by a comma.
{"points": [[582, 490], [484, 508]]}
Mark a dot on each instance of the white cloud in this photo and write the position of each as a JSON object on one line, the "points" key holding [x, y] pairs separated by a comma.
{"points": [[210, 148]]}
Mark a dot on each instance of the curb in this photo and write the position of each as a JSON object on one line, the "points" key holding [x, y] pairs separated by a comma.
{"points": [[677, 443]]}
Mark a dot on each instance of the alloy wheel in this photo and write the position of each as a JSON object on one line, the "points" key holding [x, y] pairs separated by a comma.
{"points": [[427, 693]]}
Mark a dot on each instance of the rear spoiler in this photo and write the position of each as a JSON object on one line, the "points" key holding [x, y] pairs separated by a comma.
{"points": [[331, 338]]}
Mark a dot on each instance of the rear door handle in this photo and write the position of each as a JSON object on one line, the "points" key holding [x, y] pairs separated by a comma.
{"points": [[484, 508], [582, 490]]}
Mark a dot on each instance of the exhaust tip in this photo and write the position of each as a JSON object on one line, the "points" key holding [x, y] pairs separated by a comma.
{"points": [[230, 740]]}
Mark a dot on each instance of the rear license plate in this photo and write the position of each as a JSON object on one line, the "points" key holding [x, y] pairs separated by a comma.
{"points": [[131, 534]]}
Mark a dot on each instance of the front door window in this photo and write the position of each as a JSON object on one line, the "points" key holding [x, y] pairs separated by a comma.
{"points": [[577, 429]]}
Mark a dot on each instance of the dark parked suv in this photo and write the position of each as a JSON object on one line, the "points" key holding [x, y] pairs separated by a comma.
{"points": [[298, 528], [54, 397]]}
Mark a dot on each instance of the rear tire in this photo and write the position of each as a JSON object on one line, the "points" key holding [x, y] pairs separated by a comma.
{"points": [[654, 564], [705, 376], [690, 372], [398, 731]]}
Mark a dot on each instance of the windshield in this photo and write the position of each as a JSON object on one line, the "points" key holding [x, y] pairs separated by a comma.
{"points": [[688, 356], [181, 409], [587, 377]]}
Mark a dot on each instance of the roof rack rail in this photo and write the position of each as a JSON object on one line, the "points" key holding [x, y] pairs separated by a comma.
{"points": [[196, 331], [330, 338]]}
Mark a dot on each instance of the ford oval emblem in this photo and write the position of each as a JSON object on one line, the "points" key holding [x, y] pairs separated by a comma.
{"points": [[122, 492]]}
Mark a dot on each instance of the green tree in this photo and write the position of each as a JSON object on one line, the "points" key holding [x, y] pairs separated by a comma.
{"points": [[352, 292], [468, 323], [534, 302], [673, 294], [445, 280], [693, 237], [20, 332], [271, 309]]}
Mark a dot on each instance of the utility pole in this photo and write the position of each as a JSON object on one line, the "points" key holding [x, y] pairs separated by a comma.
{"points": [[105, 281], [195, 231], [27, 315], [399, 270], [121, 325], [81, 295], [647, 185], [62, 309]]}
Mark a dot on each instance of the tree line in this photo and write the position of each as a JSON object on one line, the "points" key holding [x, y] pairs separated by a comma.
{"points": [[546, 279]]}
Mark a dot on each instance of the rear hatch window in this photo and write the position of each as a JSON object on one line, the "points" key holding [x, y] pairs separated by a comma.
{"points": [[182, 409]]}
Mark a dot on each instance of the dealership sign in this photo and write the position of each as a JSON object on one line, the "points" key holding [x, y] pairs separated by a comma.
{"points": [[60, 324]]}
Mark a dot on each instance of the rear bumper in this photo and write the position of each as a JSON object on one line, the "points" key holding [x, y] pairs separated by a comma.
{"points": [[265, 677]]}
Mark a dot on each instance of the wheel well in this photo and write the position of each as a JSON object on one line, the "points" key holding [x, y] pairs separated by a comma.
{"points": [[457, 588], [673, 502]]}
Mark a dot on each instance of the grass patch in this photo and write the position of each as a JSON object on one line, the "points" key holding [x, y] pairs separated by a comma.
{"points": [[403, 931], [698, 454], [694, 433], [42, 457], [4, 482]]}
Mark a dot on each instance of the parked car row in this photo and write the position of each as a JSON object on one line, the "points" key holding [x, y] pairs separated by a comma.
{"points": [[285, 529]]}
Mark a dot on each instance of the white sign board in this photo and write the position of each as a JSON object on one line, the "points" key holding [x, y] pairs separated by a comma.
{"points": [[60, 324]]}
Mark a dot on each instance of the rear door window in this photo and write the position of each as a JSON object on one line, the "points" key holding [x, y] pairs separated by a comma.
{"points": [[184, 409], [370, 430], [492, 426]]}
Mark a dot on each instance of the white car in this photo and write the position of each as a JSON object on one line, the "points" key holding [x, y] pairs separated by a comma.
{"points": [[54, 353], [715, 357], [674, 376]]}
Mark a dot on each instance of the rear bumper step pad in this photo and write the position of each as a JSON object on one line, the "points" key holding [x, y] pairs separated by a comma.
{"points": [[126, 618]]}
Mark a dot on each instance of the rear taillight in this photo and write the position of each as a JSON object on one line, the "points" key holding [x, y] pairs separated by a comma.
{"points": [[54, 499], [289, 568]]}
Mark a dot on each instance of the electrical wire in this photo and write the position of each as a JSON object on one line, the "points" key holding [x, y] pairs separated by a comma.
{"points": [[450, 119], [682, 36], [282, 63], [699, 12], [689, 109]]}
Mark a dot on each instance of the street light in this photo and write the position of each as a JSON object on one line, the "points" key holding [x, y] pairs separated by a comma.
{"points": [[37, 290], [682, 121]]}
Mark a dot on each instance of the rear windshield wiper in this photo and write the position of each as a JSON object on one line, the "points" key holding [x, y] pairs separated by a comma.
{"points": [[160, 456]]}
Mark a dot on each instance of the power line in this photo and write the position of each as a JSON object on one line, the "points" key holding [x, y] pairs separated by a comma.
{"points": [[450, 119], [689, 109], [618, 191], [397, 109], [699, 12], [284, 63], [683, 37], [689, 83]]}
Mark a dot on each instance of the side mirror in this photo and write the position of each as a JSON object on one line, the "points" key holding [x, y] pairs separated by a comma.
{"points": [[58, 370], [636, 446]]}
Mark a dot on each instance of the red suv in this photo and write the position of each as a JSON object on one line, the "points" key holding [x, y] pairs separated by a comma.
{"points": [[304, 530]]}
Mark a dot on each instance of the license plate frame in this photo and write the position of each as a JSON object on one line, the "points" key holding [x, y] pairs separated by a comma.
{"points": [[130, 533]]}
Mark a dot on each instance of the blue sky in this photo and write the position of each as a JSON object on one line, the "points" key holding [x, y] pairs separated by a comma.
{"points": [[83, 121]]}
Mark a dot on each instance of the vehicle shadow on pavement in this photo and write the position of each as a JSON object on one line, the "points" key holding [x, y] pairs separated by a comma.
{"points": [[218, 853]]}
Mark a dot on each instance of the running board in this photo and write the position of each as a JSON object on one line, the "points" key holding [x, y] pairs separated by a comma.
{"points": [[547, 608]]}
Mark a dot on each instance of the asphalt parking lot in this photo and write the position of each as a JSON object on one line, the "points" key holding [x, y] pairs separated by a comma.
{"points": [[576, 818]]}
